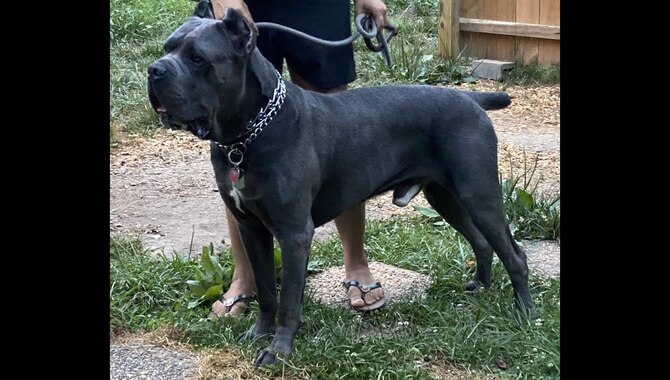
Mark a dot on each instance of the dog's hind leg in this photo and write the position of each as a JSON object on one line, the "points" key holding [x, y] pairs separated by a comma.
{"points": [[446, 205], [485, 207], [295, 239], [472, 177]]}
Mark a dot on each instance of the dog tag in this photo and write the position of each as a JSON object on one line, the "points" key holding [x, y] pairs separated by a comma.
{"points": [[239, 184], [234, 174], [236, 177]]}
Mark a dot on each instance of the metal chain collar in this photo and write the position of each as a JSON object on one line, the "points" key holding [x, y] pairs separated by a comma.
{"points": [[255, 126]]}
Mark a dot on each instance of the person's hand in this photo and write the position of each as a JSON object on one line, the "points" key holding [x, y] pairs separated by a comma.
{"points": [[376, 8], [220, 6]]}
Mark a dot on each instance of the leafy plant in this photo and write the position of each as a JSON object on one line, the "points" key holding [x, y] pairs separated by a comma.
{"points": [[531, 216], [414, 61], [214, 275], [211, 277], [431, 214], [452, 70]]}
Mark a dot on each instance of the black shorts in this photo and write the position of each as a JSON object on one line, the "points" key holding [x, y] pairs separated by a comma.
{"points": [[322, 66]]}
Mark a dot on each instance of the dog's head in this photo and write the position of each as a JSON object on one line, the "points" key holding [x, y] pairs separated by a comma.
{"points": [[202, 73]]}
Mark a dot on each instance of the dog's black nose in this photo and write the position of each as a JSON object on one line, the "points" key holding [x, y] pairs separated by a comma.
{"points": [[156, 69]]}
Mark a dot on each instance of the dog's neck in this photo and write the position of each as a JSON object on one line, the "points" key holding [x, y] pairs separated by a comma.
{"points": [[261, 81]]}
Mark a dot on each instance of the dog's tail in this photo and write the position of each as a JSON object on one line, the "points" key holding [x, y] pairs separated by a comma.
{"points": [[490, 100]]}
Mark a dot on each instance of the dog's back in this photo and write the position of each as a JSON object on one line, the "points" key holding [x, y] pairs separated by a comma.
{"points": [[378, 138]]}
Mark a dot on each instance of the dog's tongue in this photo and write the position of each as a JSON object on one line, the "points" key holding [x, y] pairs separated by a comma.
{"points": [[161, 109]]}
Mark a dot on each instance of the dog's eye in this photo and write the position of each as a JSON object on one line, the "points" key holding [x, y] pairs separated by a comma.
{"points": [[196, 58]]}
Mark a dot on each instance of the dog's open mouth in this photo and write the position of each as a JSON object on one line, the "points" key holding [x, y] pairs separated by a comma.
{"points": [[199, 126]]}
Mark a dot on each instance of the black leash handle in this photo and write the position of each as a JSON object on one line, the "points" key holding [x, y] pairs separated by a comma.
{"points": [[368, 23]]}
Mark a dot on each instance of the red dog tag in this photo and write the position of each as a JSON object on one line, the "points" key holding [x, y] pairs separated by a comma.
{"points": [[234, 174]]}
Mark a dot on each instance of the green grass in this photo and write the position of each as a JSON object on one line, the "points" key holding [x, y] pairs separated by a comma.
{"points": [[143, 299], [533, 75], [401, 340], [129, 106], [137, 31], [137, 20]]}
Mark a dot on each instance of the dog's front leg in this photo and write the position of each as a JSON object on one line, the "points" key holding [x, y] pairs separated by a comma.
{"points": [[295, 242], [257, 241]]}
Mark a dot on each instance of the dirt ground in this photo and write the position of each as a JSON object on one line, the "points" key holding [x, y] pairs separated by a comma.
{"points": [[162, 188]]}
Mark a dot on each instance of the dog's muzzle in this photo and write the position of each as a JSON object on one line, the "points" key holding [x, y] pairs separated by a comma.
{"points": [[168, 108]]}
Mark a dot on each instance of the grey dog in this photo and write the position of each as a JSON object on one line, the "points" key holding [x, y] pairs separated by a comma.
{"points": [[305, 158]]}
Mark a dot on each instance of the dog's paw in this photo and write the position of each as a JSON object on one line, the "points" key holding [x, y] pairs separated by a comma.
{"points": [[265, 357], [525, 312], [474, 286], [281, 345]]}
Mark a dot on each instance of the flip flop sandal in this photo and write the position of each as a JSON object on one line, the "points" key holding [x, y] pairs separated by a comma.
{"points": [[365, 289], [230, 302]]}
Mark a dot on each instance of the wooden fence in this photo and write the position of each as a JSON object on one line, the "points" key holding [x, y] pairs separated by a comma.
{"points": [[508, 30]]}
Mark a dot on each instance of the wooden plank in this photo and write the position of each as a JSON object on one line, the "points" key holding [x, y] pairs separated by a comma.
{"points": [[448, 33], [506, 11], [467, 41], [549, 53], [528, 11], [484, 45], [550, 14], [469, 8], [507, 28], [527, 49]]}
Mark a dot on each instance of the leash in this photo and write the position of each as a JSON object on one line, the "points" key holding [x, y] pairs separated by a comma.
{"points": [[366, 27]]}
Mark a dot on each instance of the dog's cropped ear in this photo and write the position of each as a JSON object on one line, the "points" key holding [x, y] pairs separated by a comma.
{"points": [[240, 32], [204, 9]]}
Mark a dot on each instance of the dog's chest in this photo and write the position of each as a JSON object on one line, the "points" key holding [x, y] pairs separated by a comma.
{"points": [[243, 187], [237, 196]]}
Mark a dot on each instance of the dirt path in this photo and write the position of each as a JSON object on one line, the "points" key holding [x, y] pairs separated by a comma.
{"points": [[162, 188]]}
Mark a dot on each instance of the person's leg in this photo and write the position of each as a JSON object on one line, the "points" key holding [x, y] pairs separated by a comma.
{"points": [[339, 66], [351, 228], [243, 278]]}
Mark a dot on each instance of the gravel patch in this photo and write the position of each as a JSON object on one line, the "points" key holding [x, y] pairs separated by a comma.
{"points": [[399, 284], [544, 257], [139, 360]]}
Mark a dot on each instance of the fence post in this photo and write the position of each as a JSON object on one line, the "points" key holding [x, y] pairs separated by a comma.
{"points": [[448, 30]]}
